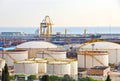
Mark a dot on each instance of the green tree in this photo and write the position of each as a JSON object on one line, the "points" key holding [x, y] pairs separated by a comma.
{"points": [[32, 77], [87, 79], [5, 74], [55, 78], [108, 78], [45, 78], [67, 78], [12, 77], [90, 79]]}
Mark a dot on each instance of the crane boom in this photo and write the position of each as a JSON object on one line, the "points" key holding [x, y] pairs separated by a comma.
{"points": [[46, 27]]}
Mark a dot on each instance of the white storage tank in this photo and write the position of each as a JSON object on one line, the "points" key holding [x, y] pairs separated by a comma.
{"points": [[73, 67], [88, 59], [58, 68], [2, 63], [26, 67], [57, 54], [12, 56], [112, 48], [35, 46], [42, 65]]}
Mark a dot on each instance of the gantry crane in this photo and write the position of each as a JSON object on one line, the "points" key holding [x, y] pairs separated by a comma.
{"points": [[46, 27]]}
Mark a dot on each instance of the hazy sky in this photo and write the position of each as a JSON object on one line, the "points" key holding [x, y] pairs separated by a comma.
{"points": [[62, 12]]}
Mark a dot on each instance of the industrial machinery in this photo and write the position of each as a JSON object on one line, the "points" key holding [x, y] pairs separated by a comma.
{"points": [[46, 27]]}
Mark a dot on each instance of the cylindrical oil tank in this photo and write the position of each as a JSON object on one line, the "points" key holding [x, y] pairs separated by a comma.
{"points": [[58, 54], [35, 46], [2, 64], [59, 68], [14, 55], [74, 67], [112, 48], [42, 65], [114, 56], [26, 67], [88, 59]]}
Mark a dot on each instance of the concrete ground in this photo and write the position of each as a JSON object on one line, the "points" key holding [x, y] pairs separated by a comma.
{"points": [[115, 76]]}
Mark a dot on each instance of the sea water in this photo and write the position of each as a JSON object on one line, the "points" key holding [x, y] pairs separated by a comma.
{"points": [[70, 30]]}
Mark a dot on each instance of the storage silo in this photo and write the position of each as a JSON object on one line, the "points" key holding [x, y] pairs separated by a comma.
{"points": [[58, 68], [73, 67], [35, 47], [112, 48], [12, 56], [26, 67], [57, 54], [42, 65], [2, 63], [88, 59]]}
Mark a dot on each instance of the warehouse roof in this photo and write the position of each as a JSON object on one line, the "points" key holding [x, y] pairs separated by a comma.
{"points": [[36, 44]]}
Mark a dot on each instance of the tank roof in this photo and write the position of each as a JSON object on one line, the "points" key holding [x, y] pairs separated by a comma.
{"points": [[37, 44], [101, 45]]}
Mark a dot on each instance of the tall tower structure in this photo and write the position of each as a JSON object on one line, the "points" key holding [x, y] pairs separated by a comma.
{"points": [[46, 27]]}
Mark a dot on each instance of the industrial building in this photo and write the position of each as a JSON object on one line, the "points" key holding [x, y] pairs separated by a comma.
{"points": [[99, 71]]}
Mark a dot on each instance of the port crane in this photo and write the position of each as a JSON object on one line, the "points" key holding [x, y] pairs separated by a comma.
{"points": [[46, 27]]}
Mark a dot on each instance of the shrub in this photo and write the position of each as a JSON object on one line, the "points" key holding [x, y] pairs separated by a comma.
{"points": [[32, 77]]}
